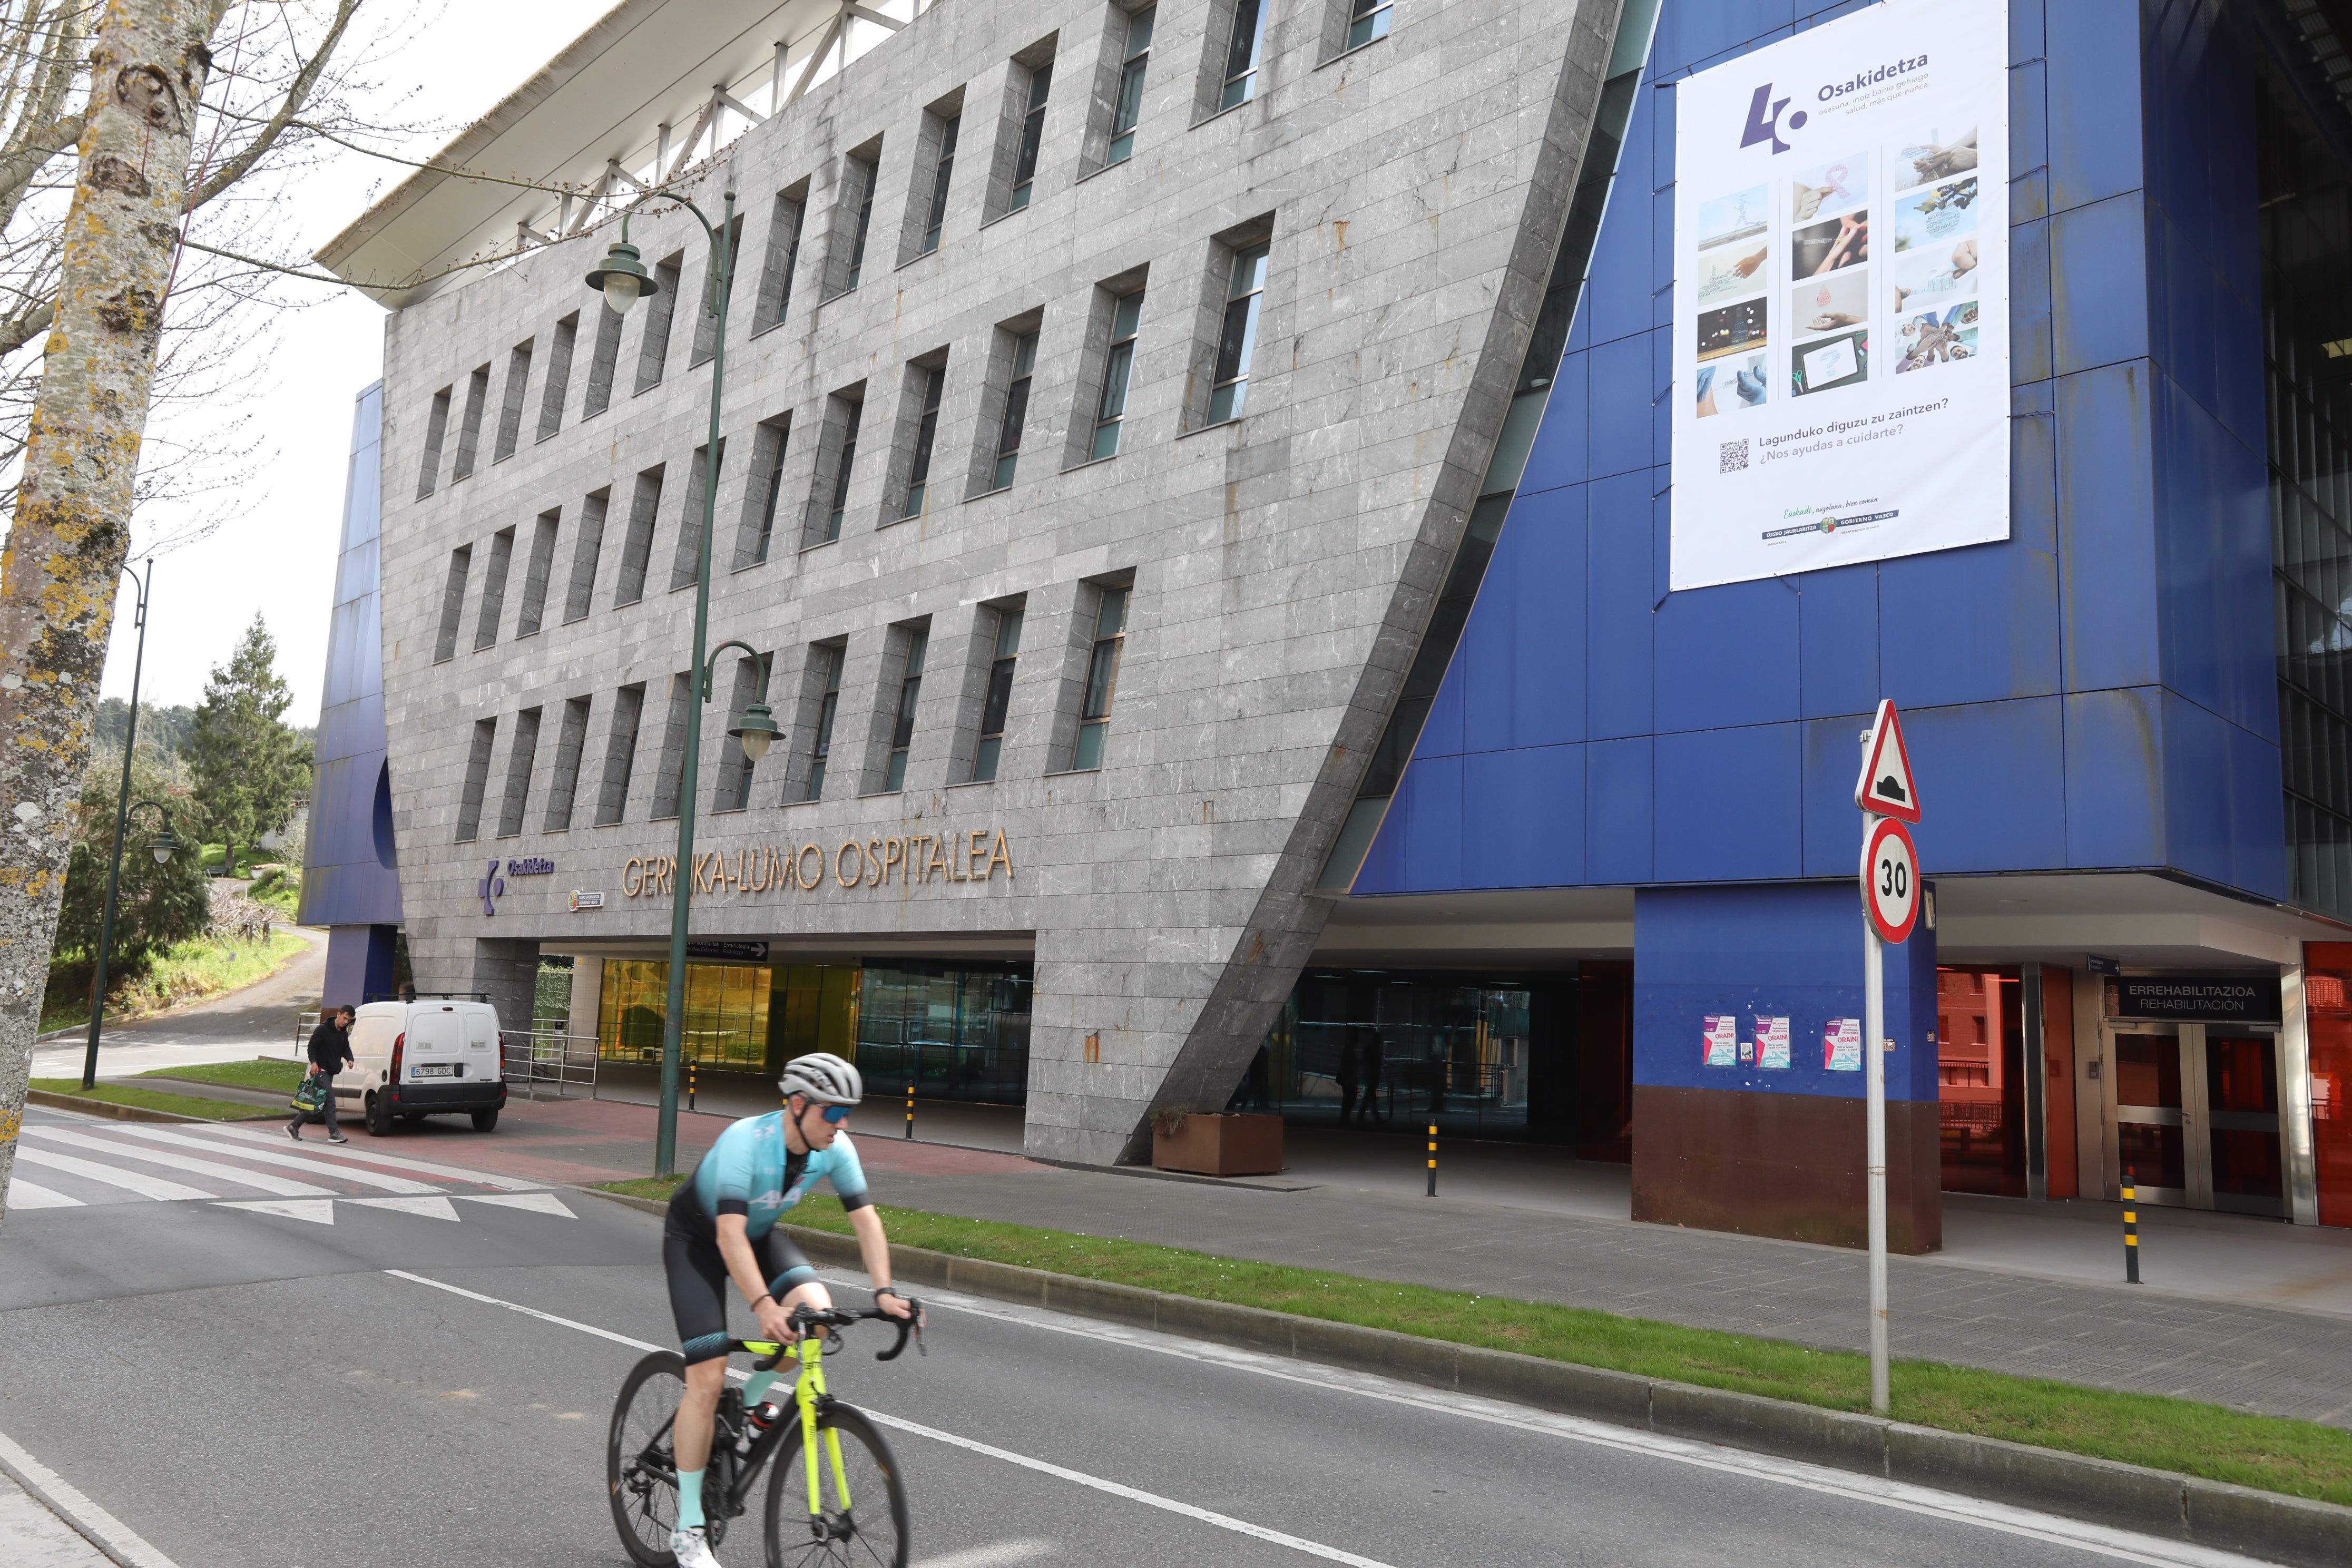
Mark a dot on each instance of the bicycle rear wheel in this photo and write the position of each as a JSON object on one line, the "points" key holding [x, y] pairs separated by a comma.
{"points": [[640, 1472], [864, 1526]]}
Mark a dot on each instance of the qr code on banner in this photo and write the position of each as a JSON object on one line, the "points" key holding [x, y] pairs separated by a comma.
{"points": [[1734, 457]]}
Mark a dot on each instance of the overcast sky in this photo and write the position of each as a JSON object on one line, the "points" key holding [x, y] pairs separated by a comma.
{"points": [[277, 555]]}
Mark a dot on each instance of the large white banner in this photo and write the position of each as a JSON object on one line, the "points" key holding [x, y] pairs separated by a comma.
{"points": [[1842, 296]]}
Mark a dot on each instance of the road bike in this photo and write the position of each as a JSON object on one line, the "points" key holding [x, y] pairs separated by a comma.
{"points": [[853, 1509]]}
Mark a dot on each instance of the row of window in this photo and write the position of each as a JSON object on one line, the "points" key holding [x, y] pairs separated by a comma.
{"points": [[1232, 70], [807, 756], [1097, 433]]}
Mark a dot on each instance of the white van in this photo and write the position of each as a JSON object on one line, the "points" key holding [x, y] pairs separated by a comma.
{"points": [[432, 1056]]}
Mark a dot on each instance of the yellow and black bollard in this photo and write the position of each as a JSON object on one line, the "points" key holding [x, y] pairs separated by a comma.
{"points": [[910, 1110], [1432, 1158], [689, 1086], [2131, 1231]]}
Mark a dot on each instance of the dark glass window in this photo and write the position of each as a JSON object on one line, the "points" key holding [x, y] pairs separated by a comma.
{"points": [[1102, 678], [1110, 414], [939, 184], [998, 700], [1242, 56], [1032, 132], [1367, 20], [1129, 107], [1016, 411], [902, 727], [919, 478], [821, 752], [866, 176], [1244, 291], [841, 470]]}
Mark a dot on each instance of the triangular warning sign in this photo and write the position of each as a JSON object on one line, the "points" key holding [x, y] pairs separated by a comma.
{"points": [[1886, 785]]}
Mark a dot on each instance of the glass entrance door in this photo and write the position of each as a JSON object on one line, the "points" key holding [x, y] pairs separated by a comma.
{"points": [[2196, 1116]]}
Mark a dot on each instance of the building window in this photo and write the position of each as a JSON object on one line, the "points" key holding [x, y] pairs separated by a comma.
{"points": [[453, 603], [1110, 411], [1367, 20], [734, 792], [661, 309], [510, 410], [1102, 678], [828, 666], [758, 527], [1016, 412], [1128, 105], [540, 567], [670, 778], [940, 172], [860, 173], [926, 429], [844, 458], [705, 318], [563, 783], [494, 589], [603, 364], [478, 778], [1242, 55], [999, 699], [638, 545], [559, 375], [902, 726], [686, 566], [1245, 288], [1032, 135], [469, 431], [520, 758], [436, 431], [620, 754], [783, 255], [582, 591]]}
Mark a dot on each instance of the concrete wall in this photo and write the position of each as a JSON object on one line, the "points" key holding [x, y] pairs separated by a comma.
{"points": [[1283, 564]]}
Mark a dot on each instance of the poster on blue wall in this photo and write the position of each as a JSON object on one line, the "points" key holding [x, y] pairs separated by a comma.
{"points": [[1842, 296]]}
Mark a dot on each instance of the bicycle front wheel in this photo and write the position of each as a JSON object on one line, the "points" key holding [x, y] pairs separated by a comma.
{"points": [[861, 1514], [640, 1472]]}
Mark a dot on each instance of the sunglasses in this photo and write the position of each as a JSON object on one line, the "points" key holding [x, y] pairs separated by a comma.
{"points": [[836, 1114]]}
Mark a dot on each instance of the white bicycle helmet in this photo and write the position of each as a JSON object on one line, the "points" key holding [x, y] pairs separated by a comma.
{"points": [[824, 1077]]}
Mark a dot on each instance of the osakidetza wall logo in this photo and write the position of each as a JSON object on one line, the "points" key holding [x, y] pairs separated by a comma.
{"points": [[1764, 110]]}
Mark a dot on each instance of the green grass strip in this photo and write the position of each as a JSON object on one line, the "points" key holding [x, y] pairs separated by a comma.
{"points": [[119, 1093], [2302, 1458], [190, 971], [263, 1072]]}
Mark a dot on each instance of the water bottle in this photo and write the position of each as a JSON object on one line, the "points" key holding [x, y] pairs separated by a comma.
{"points": [[756, 1425]]}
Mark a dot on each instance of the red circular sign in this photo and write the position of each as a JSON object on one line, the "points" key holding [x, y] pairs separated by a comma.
{"points": [[1890, 881]]}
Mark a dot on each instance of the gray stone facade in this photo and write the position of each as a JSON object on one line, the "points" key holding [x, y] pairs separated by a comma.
{"points": [[1281, 566]]}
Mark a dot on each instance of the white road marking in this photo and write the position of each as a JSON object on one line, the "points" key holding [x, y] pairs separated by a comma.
{"points": [[436, 1207], [318, 1211], [24, 1195], [1133, 1494], [537, 1202], [1003, 1554], [146, 1186], [2099, 1539], [277, 1185], [117, 1539], [396, 1162], [287, 1161]]}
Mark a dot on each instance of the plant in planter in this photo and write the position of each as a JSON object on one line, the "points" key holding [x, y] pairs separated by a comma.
{"points": [[1210, 1143]]}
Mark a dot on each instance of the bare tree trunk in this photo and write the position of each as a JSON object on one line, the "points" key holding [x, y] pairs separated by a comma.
{"points": [[72, 529]]}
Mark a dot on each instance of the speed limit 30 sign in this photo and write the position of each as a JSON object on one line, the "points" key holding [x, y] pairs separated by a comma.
{"points": [[1890, 881]]}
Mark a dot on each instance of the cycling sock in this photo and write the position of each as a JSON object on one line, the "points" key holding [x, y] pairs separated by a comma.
{"points": [[756, 1388], [689, 1499]]}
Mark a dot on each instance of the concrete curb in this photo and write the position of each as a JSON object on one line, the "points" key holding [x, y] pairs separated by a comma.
{"points": [[2269, 1525], [57, 1101]]}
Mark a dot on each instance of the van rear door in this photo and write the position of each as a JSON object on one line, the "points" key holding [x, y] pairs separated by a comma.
{"points": [[482, 1052], [436, 1052]]}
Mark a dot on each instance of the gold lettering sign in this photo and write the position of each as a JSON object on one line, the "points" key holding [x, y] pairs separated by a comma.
{"points": [[921, 859]]}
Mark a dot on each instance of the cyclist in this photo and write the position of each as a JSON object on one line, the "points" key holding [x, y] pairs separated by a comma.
{"points": [[722, 1225]]}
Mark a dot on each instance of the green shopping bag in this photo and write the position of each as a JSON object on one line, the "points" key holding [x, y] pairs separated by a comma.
{"points": [[311, 1095]]}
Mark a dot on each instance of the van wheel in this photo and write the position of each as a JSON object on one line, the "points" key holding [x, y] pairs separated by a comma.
{"points": [[484, 1120], [379, 1118]]}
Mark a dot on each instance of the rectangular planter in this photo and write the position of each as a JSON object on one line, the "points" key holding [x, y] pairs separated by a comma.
{"points": [[1210, 1145]]}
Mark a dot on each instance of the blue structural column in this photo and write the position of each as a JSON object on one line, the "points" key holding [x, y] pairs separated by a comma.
{"points": [[1768, 1149]]}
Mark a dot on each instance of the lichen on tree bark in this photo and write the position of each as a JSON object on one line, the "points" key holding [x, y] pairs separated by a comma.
{"points": [[65, 547]]}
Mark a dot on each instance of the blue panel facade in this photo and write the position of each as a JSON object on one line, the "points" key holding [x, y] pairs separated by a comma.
{"points": [[349, 880], [2097, 692]]}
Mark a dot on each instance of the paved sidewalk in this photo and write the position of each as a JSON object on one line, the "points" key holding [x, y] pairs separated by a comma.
{"points": [[33, 1537]]}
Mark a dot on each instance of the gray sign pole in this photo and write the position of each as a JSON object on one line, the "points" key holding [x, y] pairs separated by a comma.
{"points": [[1873, 1074]]}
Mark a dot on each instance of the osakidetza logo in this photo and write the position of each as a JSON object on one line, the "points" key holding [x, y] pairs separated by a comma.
{"points": [[1764, 110]]}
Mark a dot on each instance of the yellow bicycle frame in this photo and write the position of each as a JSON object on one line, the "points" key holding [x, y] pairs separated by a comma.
{"points": [[807, 1390]]}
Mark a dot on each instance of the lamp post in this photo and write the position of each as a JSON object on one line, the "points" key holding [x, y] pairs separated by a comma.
{"points": [[162, 848], [622, 280], [122, 813]]}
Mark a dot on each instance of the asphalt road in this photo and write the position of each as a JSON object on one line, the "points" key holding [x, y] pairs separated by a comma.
{"points": [[254, 1384]]}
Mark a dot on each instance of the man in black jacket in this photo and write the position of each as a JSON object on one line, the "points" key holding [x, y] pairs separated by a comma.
{"points": [[331, 1047]]}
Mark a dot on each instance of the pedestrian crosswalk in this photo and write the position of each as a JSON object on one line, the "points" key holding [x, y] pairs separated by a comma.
{"points": [[65, 1163]]}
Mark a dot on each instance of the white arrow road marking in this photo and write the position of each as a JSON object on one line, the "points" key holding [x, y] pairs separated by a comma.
{"points": [[1133, 1494], [318, 1211], [24, 1195], [431, 1208], [95, 1524], [189, 1163], [537, 1202], [396, 1162], [291, 1162], [132, 1181]]}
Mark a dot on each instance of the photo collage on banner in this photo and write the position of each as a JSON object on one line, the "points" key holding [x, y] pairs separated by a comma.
{"points": [[1842, 296]]}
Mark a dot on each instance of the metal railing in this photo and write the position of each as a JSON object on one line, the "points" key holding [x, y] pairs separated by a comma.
{"points": [[538, 1061]]}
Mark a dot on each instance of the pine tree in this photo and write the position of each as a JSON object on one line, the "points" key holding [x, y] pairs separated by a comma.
{"points": [[248, 765]]}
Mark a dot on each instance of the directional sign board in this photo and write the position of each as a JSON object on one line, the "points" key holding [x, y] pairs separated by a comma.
{"points": [[1890, 881], [1886, 786]]}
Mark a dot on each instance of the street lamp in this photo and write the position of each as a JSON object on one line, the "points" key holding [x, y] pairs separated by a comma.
{"points": [[121, 815], [164, 847], [622, 280]]}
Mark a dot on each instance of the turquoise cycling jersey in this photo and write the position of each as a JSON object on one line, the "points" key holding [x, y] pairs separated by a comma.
{"points": [[749, 1171]]}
